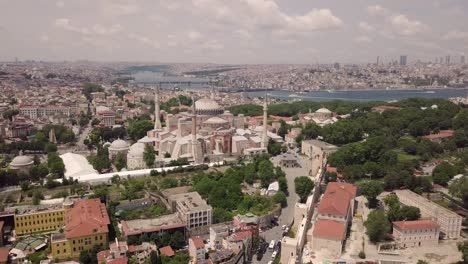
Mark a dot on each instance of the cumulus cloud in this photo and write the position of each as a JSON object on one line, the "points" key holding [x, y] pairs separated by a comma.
{"points": [[405, 26], [317, 19], [377, 10], [365, 27]]}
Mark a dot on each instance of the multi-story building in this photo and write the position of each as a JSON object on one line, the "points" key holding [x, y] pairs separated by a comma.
{"points": [[192, 209], [334, 214], [450, 222], [86, 225], [416, 233], [36, 220], [107, 118], [197, 250], [36, 111]]}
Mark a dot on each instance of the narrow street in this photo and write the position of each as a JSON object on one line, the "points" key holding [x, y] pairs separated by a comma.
{"points": [[287, 213]]}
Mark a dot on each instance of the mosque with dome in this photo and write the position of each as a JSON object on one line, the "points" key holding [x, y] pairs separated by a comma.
{"points": [[205, 133]]}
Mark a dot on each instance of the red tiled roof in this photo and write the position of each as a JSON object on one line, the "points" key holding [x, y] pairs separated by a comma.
{"points": [[336, 199], [4, 254], [85, 218], [167, 251], [415, 225], [198, 242], [240, 236], [329, 229], [440, 135], [102, 255], [122, 260]]}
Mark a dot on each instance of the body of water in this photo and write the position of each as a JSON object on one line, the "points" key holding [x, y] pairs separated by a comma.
{"points": [[362, 96]]}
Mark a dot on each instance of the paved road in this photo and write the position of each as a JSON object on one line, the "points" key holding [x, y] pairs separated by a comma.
{"points": [[287, 213], [80, 144]]}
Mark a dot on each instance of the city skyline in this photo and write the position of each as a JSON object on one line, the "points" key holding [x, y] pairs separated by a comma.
{"points": [[234, 32]]}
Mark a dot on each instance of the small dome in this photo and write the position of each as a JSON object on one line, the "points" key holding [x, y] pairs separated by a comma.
{"points": [[22, 161], [119, 144], [215, 120], [323, 111], [137, 150]]}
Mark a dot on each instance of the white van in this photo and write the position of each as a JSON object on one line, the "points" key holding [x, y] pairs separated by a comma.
{"points": [[273, 256], [272, 245]]}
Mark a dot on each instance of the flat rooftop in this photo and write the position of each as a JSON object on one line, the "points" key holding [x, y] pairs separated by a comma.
{"points": [[139, 226], [176, 190], [191, 201]]}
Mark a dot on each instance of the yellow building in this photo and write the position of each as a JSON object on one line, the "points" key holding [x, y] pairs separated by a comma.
{"points": [[38, 221], [86, 225]]}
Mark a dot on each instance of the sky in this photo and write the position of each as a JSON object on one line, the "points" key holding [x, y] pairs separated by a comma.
{"points": [[233, 31]]}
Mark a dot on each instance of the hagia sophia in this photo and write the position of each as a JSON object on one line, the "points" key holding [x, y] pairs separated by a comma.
{"points": [[205, 133]]}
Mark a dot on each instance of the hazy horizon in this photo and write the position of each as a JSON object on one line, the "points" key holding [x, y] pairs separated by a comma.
{"points": [[233, 32]]}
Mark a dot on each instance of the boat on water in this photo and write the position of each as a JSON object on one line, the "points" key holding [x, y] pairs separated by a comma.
{"points": [[331, 91], [293, 95]]}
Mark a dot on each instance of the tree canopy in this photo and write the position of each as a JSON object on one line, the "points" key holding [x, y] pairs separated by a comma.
{"points": [[304, 186]]}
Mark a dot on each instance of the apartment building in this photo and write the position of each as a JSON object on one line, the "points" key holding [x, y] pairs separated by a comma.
{"points": [[37, 220], [36, 111], [416, 233], [192, 209], [86, 225], [197, 250], [450, 222]]}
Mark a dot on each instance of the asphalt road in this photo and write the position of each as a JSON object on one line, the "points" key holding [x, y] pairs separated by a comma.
{"points": [[287, 213]]}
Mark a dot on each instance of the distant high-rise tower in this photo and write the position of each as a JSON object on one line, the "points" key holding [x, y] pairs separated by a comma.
{"points": [[403, 60], [462, 59], [157, 112], [447, 60], [378, 60]]}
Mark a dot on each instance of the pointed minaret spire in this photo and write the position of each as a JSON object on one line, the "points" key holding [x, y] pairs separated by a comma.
{"points": [[265, 122], [194, 121], [157, 112]]}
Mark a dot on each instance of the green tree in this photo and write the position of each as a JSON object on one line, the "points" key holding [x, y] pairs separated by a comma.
{"points": [[283, 129], [459, 189], [274, 148], [443, 173], [463, 248], [120, 161], [377, 225], [137, 129], [266, 172], [280, 198], [304, 186], [371, 189], [177, 240], [149, 155]]}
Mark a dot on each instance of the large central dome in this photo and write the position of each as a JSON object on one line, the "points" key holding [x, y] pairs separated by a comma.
{"points": [[207, 106]]}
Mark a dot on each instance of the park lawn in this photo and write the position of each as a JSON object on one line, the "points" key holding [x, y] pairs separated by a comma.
{"points": [[406, 157]]}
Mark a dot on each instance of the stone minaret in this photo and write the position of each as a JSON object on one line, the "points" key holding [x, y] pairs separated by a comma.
{"points": [[265, 123], [157, 112], [196, 147]]}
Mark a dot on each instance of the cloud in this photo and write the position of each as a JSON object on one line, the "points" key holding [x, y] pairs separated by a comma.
{"points": [[212, 45], [362, 39], [116, 8], [60, 4], [404, 26], [365, 27], [96, 29], [456, 35], [194, 36], [377, 10], [317, 19]]}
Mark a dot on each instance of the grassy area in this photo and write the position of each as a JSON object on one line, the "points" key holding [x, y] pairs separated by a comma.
{"points": [[144, 213], [406, 157]]}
